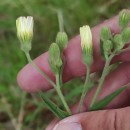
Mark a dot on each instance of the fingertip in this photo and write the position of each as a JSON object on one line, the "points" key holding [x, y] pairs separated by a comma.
{"points": [[20, 82], [30, 80], [26, 79]]}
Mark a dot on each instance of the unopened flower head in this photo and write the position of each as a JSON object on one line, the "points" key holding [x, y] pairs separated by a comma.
{"points": [[25, 29], [62, 40], [55, 60], [86, 45], [86, 39], [124, 18]]}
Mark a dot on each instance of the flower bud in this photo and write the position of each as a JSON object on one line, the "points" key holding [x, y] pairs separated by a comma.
{"points": [[105, 34], [62, 40], [118, 43], [126, 35], [86, 44], [25, 32], [124, 18], [107, 46], [55, 61]]}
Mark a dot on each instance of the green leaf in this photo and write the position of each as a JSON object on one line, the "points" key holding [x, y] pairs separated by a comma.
{"points": [[106, 100], [53, 107]]}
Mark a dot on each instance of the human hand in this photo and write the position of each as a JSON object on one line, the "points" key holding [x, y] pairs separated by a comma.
{"points": [[30, 80]]}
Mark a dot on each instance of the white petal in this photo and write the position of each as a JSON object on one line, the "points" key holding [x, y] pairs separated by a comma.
{"points": [[29, 24]]}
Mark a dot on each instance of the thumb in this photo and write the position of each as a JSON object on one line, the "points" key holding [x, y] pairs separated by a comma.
{"points": [[118, 119]]}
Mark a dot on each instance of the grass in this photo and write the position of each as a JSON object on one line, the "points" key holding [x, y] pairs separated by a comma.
{"points": [[75, 13]]}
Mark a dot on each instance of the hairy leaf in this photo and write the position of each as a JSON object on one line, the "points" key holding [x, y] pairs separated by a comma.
{"points": [[53, 107]]}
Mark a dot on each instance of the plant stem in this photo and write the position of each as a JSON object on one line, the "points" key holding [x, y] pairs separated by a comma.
{"points": [[56, 86], [85, 89], [104, 73], [60, 77], [41, 72], [9, 112], [123, 50], [58, 89], [60, 20], [21, 112]]}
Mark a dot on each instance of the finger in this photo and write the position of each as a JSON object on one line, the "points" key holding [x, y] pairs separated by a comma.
{"points": [[52, 124], [116, 79], [30, 80], [113, 81], [116, 119]]}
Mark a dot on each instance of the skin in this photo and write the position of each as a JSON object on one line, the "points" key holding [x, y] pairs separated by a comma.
{"points": [[116, 116]]}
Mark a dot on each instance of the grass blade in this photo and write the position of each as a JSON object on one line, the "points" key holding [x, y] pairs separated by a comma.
{"points": [[106, 100]]}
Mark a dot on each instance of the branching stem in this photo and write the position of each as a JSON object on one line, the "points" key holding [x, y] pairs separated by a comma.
{"points": [[56, 86], [104, 73]]}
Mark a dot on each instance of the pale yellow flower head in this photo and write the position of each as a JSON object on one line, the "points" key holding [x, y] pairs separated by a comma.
{"points": [[86, 39], [25, 29]]}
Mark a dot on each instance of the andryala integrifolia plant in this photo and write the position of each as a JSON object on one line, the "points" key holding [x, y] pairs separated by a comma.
{"points": [[110, 46]]}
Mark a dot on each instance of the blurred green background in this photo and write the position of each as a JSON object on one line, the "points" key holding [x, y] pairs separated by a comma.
{"points": [[16, 105]]}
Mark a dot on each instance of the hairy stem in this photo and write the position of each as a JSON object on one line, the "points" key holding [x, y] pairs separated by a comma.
{"points": [[9, 112], [21, 112], [104, 73], [40, 71], [58, 89], [85, 90], [60, 20]]}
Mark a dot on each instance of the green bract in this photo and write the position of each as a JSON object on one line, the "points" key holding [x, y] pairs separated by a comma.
{"points": [[107, 46], [55, 61], [124, 18], [118, 43], [105, 34], [126, 35], [62, 40]]}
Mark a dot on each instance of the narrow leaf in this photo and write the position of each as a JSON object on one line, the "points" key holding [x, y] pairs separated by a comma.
{"points": [[53, 107], [106, 100]]}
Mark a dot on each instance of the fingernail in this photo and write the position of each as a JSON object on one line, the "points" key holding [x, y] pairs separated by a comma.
{"points": [[68, 126]]}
